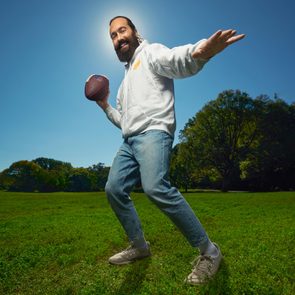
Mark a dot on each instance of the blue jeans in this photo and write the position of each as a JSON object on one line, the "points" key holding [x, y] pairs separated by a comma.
{"points": [[146, 157]]}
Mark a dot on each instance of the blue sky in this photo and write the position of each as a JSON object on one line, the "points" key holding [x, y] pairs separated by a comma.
{"points": [[49, 48]]}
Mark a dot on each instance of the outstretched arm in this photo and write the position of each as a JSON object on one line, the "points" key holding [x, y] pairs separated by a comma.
{"points": [[216, 43]]}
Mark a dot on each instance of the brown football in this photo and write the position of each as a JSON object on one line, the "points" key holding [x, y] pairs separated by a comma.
{"points": [[96, 87]]}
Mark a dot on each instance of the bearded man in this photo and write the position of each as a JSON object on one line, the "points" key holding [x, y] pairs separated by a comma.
{"points": [[145, 114]]}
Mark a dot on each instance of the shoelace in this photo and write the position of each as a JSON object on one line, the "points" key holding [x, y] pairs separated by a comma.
{"points": [[201, 265], [128, 250]]}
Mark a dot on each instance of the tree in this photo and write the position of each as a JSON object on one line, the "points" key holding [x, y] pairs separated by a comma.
{"points": [[79, 180], [272, 163], [55, 174], [221, 134], [180, 172], [49, 175], [99, 175], [51, 164], [23, 176], [5, 180]]}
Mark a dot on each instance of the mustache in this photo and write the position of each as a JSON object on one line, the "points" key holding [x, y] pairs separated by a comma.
{"points": [[121, 43]]}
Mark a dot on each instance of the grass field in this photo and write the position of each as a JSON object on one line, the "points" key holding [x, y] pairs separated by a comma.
{"points": [[59, 243]]}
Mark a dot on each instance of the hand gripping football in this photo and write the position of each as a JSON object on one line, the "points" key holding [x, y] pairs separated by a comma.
{"points": [[96, 87]]}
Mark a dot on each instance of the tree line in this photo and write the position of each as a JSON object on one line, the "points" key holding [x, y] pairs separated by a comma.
{"points": [[49, 175], [234, 142], [239, 143]]}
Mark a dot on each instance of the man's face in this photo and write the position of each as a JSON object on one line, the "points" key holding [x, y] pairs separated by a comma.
{"points": [[124, 39]]}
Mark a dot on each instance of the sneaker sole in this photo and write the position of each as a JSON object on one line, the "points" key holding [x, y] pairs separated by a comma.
{"points": [[128, 261]]}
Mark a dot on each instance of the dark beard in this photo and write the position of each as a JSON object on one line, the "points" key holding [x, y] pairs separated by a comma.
{"points": [[126, 56]]}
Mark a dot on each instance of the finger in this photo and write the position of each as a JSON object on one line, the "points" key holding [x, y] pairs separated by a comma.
{"points": [[215, 36], [227, 34], [235, 39]]}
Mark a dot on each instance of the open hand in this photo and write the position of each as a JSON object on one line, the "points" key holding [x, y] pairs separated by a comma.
{"points": [[216, 43]]}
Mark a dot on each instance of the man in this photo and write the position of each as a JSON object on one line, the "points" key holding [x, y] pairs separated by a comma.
{"points": [[145, 113]]}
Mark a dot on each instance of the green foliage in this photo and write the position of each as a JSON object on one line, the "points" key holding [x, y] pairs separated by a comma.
{"points": [[79, 180], [24, 176], [180, 167], [59, 243], [49, 175], [51, 164], [271, 165], [222, 133], [236, 142], [99, 175]]}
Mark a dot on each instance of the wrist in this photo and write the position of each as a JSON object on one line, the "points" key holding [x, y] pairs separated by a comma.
{"points": [[103, 104]]}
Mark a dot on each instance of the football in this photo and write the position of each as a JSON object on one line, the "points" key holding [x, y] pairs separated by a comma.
{"points": [[96, 87]]}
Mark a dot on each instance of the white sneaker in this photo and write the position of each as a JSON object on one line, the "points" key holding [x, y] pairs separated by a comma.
{"points": [[130, 254], [205, 267]]}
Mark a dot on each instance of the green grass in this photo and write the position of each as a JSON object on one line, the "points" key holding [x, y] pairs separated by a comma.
{"points": [[59, 243]]}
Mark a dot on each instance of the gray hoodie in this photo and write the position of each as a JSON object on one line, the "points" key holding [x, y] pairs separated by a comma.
{"points": [[145, 99]]}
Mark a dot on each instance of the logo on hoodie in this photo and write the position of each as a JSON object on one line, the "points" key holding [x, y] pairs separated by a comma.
{"points": [[136, 64]]}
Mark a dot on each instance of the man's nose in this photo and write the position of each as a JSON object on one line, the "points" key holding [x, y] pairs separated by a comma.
{"points": [[120, 37]]}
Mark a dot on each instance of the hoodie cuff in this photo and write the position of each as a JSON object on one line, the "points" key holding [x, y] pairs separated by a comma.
{"points": [[108, 110]]}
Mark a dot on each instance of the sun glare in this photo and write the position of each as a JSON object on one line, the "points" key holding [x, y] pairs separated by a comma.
{"points": [[102, 28]]}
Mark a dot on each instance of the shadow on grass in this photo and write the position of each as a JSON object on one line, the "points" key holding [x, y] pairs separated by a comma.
{"points": [[134, 277], [201, 191], [220, 284]]}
